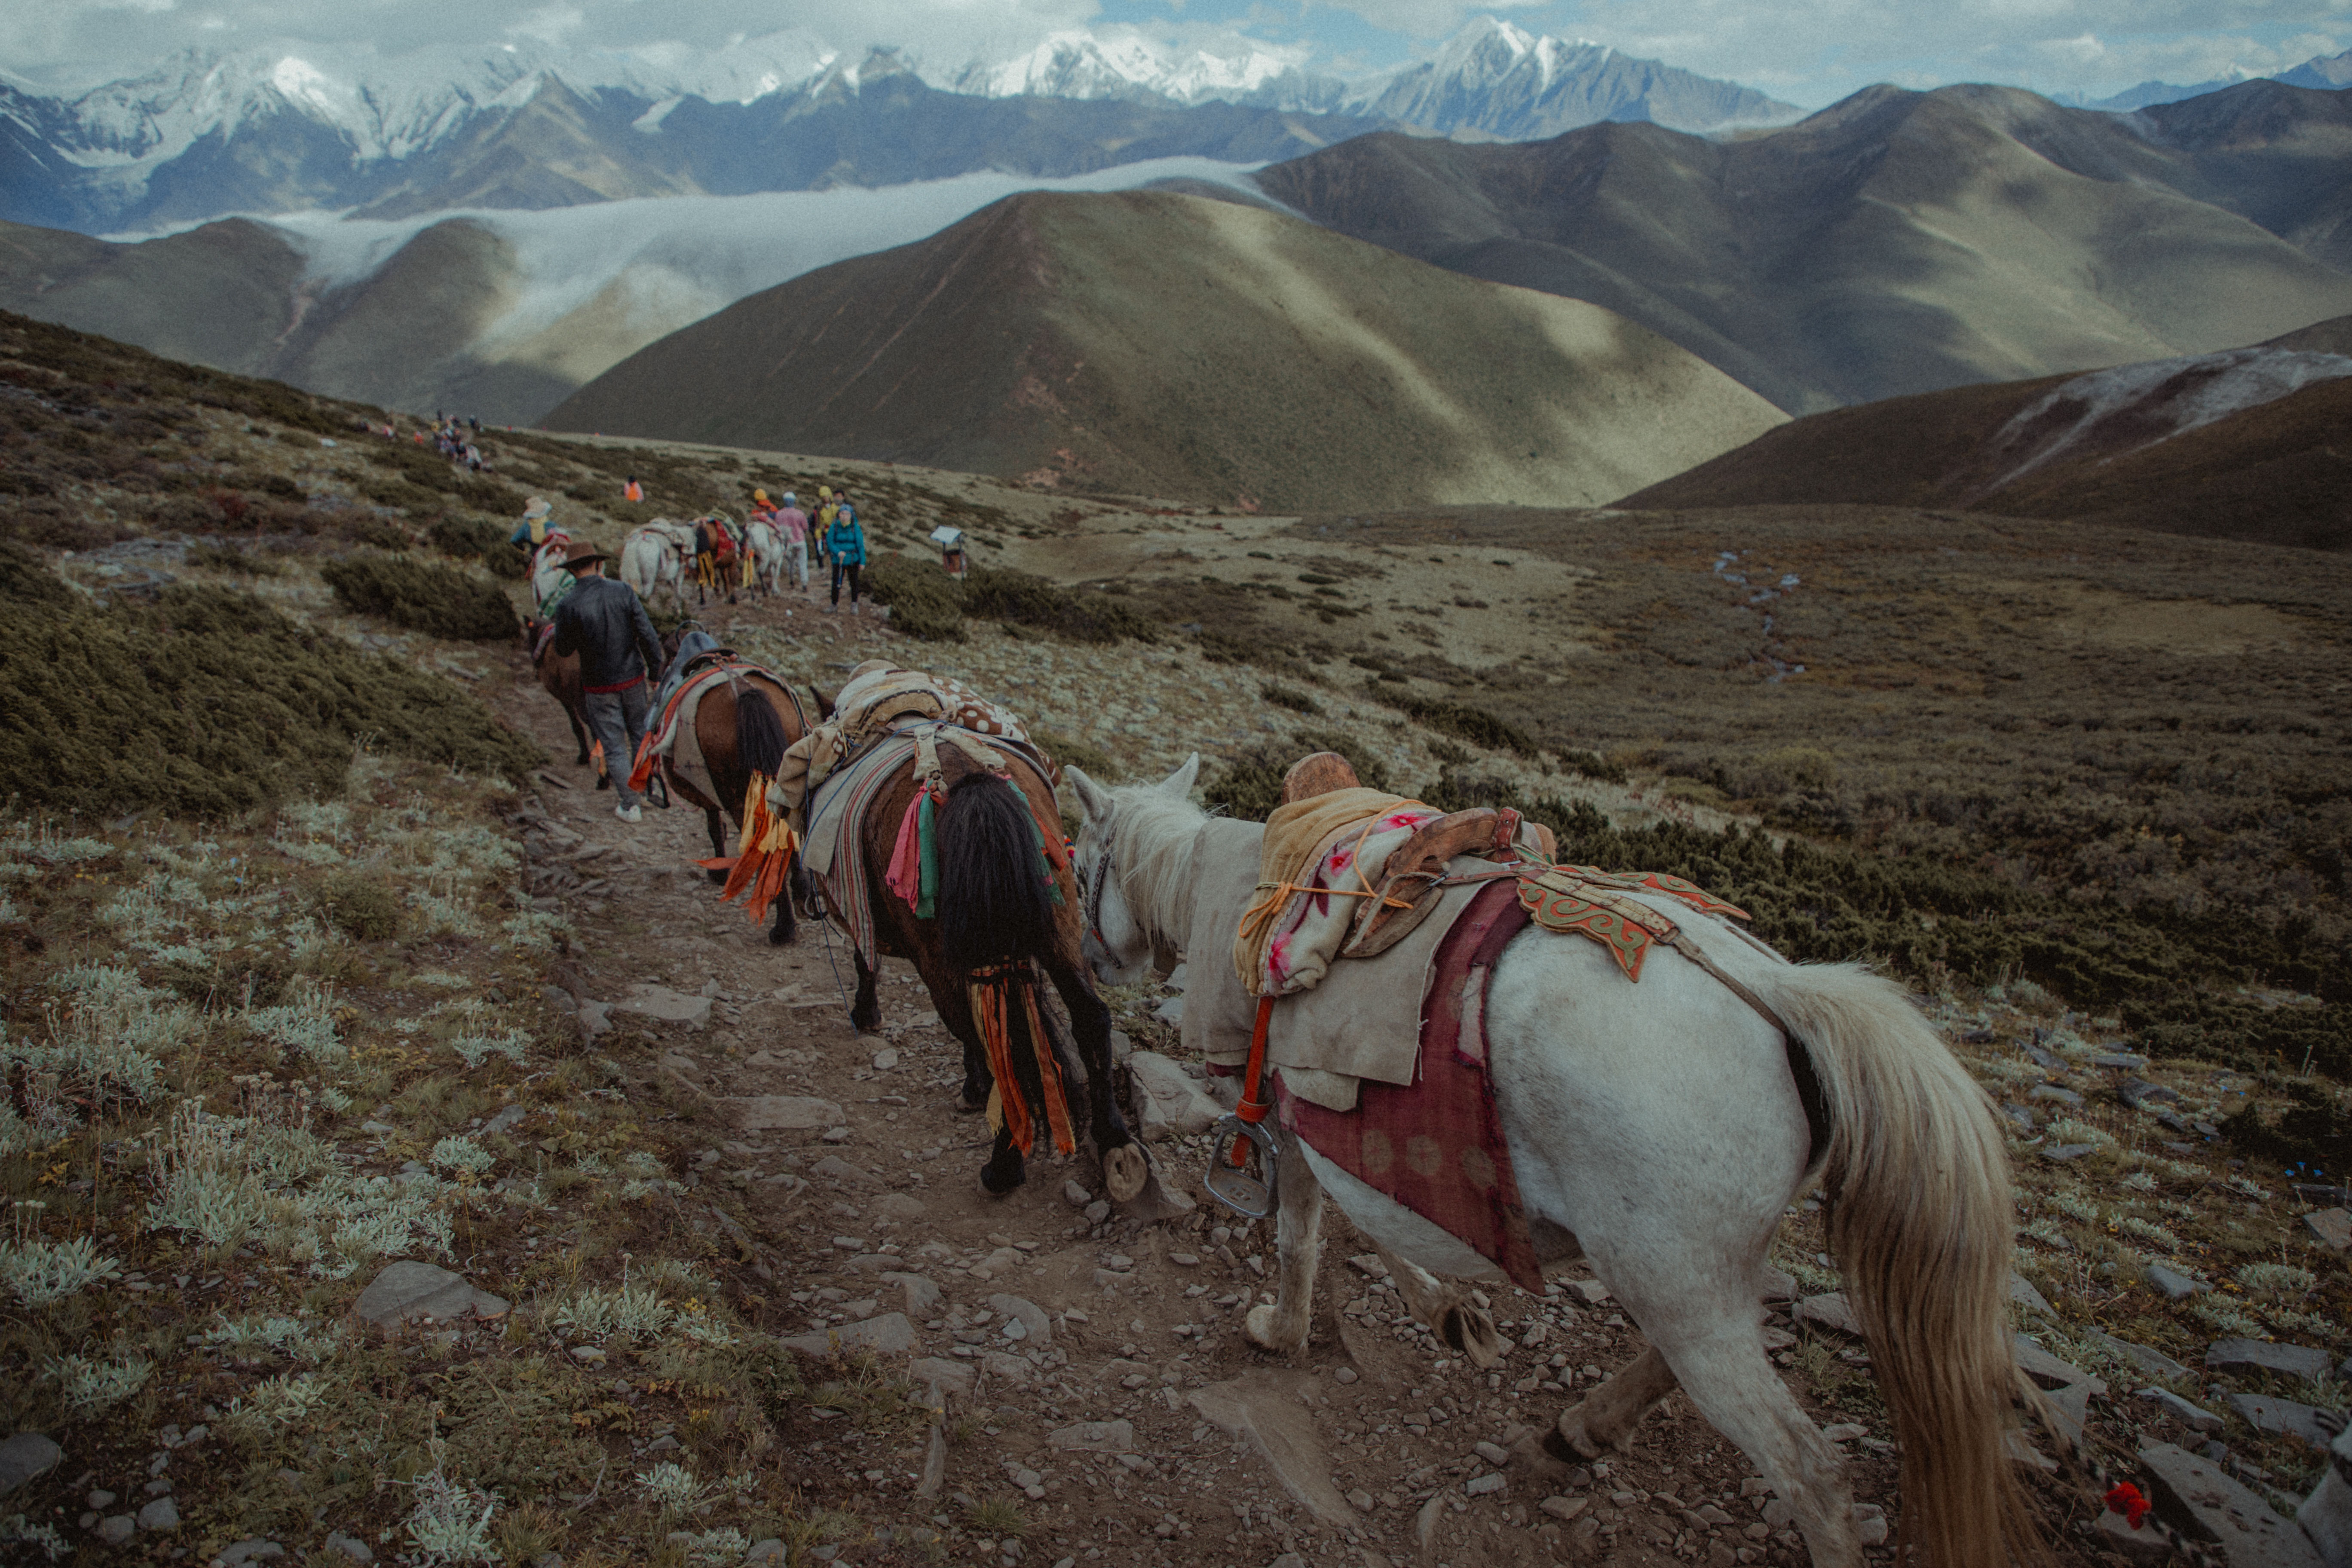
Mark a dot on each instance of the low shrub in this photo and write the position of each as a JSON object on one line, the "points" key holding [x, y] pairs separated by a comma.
{"points": [[924, 601], [1290, 697], [441, 600], [361, 907], [470, 538], [207, 702], [1474, 725], [1250, 784]]}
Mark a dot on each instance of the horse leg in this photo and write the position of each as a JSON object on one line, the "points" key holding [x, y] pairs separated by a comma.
{"points": [[1449, 1313], [954, 1004], [780, 930], [1298, 1224], [578, 731], [866, 1013], [717, 825], [1606, 1417], [1125, 1171]]}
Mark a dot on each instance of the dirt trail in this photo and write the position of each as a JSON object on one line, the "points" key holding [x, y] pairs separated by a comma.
{"points": [[1358, 1451]]}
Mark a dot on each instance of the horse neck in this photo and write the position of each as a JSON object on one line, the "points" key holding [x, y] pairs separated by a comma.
{"points": [[1190, 862]]}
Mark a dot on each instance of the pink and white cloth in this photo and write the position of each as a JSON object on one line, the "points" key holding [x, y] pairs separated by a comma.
{"points": [[1328, 901]]}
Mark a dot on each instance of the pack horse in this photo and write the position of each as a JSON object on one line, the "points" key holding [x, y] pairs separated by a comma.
{"points": [[1658, 1130]]}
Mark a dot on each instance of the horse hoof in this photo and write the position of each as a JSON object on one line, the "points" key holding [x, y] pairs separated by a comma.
{"points": [[1124, 1173], [604, 782], [718, 879], [780, 938], [1580, 1439], [1258, 1327], [1471, 1332], [996, 1184]]}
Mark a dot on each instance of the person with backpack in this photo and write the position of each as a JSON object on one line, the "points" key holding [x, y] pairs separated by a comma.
{"points": [[845, 546]]}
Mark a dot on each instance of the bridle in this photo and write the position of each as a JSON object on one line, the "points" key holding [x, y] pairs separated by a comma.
{"points": [[1097, 882]]}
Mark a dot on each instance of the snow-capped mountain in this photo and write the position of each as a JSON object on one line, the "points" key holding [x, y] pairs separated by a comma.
{"points": [[2324, 73], [297, 128], [1508, 83]]}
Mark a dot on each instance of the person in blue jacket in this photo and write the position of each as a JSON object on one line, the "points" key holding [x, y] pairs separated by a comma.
{"points": [[845, 546]]}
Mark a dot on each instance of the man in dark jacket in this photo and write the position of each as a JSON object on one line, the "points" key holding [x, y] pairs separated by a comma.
{"points": [[604, 623]]}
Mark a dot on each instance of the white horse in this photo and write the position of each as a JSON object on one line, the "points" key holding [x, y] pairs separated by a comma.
{"points": [[656, 553], [765, 543], [1660, 1129]]}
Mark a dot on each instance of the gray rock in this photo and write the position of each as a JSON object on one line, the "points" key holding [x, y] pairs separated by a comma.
{"points": [[2064, 1153], [2332, 1228], [1008, 1369], [256, 1551], [1171, 1102], [1480, 1486], [1097, 1212], [2139, 1094], [2249, 1534], [118, 1530], [2051, 1091], [784, 1112], [2281, 1416], [160, 1514], [2199, 1418], [2021, 1292], [1076, 1197], [1288, 1559], [2141, 1356], [668, 1006], [2020, 1114], [1095, 1437], [2176, 1286], [350, 1546], [905, 1207], [412, 1289], [2125, 1061], [889, 1334], [934, 1467], [505, 1119], [923, 1293], [25, 1456], [954, 1377], [2049, 1372], [2296, 1361], [1830, 1311], [835, 1168], [2144, 1546], [771, 1550], [1780, 1285], [1031, 1317], [1262, 1409]]}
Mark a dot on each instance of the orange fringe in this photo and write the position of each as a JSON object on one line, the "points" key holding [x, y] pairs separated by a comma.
{"points": [[991, 1004], [764, 853]]}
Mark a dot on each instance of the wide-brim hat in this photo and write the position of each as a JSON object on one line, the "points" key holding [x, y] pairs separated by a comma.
{"points": [[535, 507], [585, 558]]}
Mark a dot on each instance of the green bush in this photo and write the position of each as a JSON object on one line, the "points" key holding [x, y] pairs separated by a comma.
{"points": [[361, 907], [478, 538], [441, 600], [1250, 784], [1474, 725], [1068, 751], [924, 601], [1288, 697], [1023, 598], [207, 702]]}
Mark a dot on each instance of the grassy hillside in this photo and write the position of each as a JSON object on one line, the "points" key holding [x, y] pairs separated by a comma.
{"points": [[1892, 244], [1160, 345], [2277, 473]]}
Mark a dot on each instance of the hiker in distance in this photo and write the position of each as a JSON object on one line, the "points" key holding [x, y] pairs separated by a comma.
{"points": [[845, 546], [605, 624]]}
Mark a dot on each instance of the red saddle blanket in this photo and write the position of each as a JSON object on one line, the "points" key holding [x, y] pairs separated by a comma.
{"points": [[1436, 1145]]}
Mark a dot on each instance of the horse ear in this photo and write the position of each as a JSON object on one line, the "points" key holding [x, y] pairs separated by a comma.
{"points": [[824, 703], [1093, 799], [1180, 782]]}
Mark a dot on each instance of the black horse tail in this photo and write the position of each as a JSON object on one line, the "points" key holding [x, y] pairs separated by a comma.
{"points": [[760, 740], [994, 902]]}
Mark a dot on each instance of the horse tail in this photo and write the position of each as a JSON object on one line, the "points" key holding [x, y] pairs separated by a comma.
{"points": [[1921, 1223], [760, 739], [996, 915]]}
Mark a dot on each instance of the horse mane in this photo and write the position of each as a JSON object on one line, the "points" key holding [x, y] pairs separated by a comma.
{"points": [[1154, 879], [994, 902]]}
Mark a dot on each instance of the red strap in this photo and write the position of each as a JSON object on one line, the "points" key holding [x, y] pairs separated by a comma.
{"points": [[1252, 1109]]}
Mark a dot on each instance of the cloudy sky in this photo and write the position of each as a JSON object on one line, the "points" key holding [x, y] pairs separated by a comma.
{"points": [[1809, 53]]}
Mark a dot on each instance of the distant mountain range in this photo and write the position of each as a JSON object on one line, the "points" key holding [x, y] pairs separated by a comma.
{"points": [[2322, 71], [2243, 445], [1895, 242], [205, 135], [1158, 343]]}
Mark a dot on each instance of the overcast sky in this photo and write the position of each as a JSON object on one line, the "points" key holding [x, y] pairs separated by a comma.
{"points": [[1809, 53]]}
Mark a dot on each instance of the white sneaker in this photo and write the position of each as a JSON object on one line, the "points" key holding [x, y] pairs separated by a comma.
{"points": [[629, 813]]}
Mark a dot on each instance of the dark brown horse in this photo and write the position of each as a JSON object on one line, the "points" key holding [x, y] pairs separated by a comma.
{"points": [[742, 727], [559, 676], [998, 922]]}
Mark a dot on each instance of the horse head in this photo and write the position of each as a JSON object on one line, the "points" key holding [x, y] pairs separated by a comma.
{"points": [[1119, 947]]}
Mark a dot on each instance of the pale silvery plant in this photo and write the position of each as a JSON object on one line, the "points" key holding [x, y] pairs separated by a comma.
{"points": [[205, 1186], [276, 1404], [671, 1488], [460, 1152], [283, 1336], [508, 1043], [91, 1383], [630, 1313], [306, 1024], [721, 1548], [39, 1273], [451, 1520]]}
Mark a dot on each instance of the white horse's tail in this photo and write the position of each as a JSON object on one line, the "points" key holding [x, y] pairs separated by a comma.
{"points": [[1922, 1225], [642, 560]]}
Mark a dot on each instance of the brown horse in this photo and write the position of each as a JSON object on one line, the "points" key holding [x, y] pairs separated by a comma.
{"points": [[742, 727], [559, 676], [998, 922]]}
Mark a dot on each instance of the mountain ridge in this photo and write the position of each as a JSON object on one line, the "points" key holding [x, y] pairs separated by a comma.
{"points": [[1040, 338]]}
